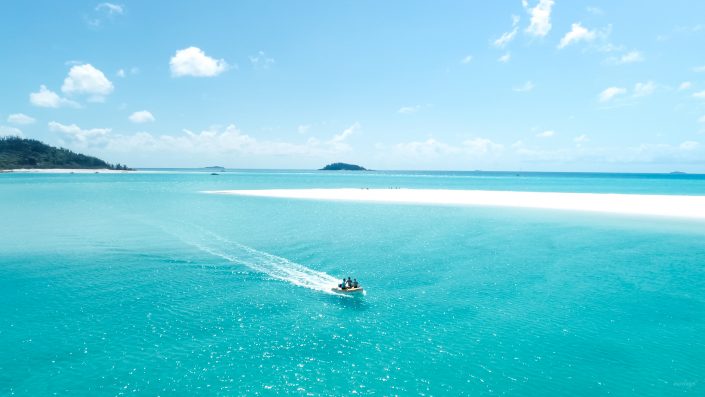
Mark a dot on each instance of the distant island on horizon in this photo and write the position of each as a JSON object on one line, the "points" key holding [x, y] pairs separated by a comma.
{"points": [[20, 153], [343, 167]]}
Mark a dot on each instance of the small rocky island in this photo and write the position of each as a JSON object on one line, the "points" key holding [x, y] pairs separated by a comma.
{"points": [[342, 167], [17, 153]]}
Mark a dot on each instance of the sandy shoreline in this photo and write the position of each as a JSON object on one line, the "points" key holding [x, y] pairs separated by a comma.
{"points": [[692, 207]]}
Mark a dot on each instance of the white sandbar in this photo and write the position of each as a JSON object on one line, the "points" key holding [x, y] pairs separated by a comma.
{"points": [[692, 207]]}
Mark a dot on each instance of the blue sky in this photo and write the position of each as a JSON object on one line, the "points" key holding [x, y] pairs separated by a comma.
{"points": [[504, 85]]}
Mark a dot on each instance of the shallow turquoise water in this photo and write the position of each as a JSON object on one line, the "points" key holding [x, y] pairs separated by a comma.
{"points": [[139, 284]]}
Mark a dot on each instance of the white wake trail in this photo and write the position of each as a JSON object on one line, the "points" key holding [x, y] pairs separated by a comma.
{"points": [[274, 266]]}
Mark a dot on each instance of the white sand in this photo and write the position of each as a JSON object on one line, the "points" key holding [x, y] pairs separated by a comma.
{"points": [[632, 204]]}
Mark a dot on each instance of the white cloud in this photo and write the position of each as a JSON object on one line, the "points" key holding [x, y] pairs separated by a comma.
{"points": [[428, 148], [214, 141], [261, 61], [104, 12], [466, 59], [644, 153], [701, 119], [77, 134], [686, 85], [581, 139], [86, 79], [303, 128], [689, 145], [111, 9], [546, 134], [507, 37], [141, 116], [123, 73], [339, 139], [609, 47], [699, 69], [432, 148], [577, 33], [10, 131], [192, 61], [409, 109], [481, 146], [594, 10], [526, 87], [49, 99], [505, 58], [631, 57], [611, 92], [644, 89], [540, 23], [20, 118], [699, 95]]}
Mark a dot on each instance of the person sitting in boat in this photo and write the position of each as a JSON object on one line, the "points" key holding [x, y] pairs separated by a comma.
{"points": [[355, 284], [349, 284], [343, 284]]}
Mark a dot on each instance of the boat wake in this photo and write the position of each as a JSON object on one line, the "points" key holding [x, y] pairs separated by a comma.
{"points": [[274, 266]]}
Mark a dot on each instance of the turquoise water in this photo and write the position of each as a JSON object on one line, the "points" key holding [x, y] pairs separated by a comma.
{"points": [[140, 285]]}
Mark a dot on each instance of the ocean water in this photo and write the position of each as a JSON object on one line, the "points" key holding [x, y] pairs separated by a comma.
{"points": [[138, 284]]}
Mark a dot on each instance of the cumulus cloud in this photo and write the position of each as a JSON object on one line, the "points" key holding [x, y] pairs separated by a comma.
{"points": [[644, 89], [142, 116], [432, 148], [110, 8], [481, 146], [540, 22], [20, 118], [338, 141], [10, 131], [87, 80], [581, 139], [78, 134], [467, 59], [409, 109], [644, 153], [686, 85], [689, 145], [526, 87], [699, 69], [261, 61], [104, 12], [192, 61], [47, 98], [214, 141], [594, 10], [507, 37], [577, 33], [699, 95], [546, 134], [609, 93], [303, 128], [505, 58], [631, 57], [701, 119]]}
